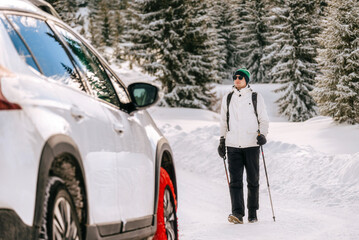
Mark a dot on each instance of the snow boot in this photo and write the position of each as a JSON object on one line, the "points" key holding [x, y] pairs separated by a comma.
{"points": [[235, 218], [252, 216]]}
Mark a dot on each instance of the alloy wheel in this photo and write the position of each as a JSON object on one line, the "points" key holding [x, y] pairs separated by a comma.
{"points": [[169, 215], [64, 224]]}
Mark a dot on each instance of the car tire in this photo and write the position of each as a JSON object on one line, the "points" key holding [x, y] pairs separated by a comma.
{"points": [[167, 225], [60, 220]]}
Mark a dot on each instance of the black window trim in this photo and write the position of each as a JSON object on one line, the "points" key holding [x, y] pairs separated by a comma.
{"points": [[24, 42], [66, 48]]}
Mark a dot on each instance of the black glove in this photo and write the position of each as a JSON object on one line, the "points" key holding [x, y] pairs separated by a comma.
{"points": [[261, 139], [222, 147]]}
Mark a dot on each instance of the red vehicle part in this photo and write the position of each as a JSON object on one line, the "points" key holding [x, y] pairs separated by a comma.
{"points": [[167, 225], [4, 103]]}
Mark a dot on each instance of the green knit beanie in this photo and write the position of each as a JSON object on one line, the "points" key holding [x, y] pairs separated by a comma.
{"points": [[243, 72]]}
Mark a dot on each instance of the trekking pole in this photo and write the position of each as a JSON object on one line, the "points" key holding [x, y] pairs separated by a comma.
{"points": [[225, 168], [265, 169]]}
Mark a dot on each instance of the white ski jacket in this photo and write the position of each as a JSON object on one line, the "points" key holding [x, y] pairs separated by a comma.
{"points": [[243, 125]]}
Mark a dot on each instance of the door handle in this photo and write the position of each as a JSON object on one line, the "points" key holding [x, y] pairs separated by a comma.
{"points": [[119, 128], [77, 113]]}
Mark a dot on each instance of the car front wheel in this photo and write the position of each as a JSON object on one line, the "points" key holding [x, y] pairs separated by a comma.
{"points": [[60, 219], [167, 210]]}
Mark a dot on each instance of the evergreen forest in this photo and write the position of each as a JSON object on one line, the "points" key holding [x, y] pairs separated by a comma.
{"points": [[308, 47]]}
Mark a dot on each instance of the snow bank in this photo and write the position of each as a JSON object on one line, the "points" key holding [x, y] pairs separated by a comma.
{"points": [[330, 180], [321, 133]]}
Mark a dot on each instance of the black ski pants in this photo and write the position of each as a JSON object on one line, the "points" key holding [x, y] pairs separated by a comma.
{"points": [[238, 159]]}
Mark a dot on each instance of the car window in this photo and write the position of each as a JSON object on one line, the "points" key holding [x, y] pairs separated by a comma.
{"points": [[47, 49], [19, 44], [91, 67], [121, 92]]}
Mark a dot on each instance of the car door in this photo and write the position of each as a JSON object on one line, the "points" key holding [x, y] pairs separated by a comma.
{"points": [[134, 162], [82, 116]]}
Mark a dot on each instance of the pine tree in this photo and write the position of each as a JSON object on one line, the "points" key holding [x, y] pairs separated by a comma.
{"points": [[119, 28], [293, 50], [104, 25], [157, 37], [67, 10], [95, 31], [101, 21], [337, 88], [321, 6], [224, 16], [199, 62], [253, 38], [171, 45]]}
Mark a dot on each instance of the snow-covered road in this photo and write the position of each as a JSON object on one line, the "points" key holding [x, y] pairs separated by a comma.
{"points": [[204, 206], [315, 194]]}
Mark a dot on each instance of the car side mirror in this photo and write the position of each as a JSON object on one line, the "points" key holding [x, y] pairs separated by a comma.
{"points": [[143, 95]]}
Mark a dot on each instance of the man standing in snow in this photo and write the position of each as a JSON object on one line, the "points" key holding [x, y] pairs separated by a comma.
{"points": [[242, 133]]}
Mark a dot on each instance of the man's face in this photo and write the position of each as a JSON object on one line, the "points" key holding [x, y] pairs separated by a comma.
{"points": [[239, 82]]}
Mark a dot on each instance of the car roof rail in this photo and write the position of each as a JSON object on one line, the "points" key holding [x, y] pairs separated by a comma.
{"points": [[46, 7]]}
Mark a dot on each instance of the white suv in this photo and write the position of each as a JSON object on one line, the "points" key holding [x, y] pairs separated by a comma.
{"points": [[80, 157]]}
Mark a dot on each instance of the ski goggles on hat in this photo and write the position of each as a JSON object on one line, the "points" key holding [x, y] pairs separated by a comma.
{"points": [[239, 77]]}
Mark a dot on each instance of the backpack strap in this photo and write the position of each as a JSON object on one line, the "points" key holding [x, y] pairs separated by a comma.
{"points": [[254, 102], [229, 97]]}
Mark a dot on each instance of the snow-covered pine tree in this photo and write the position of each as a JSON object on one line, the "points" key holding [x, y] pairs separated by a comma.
{"points": [[105, 26], [157, 40], [95, 31], [253, 38], [225, 17], [199, 61], [322, 7], [161, 44], [116, 22], [104, 15], [119, 27], [294, 49], [337, 88], [92, 30], [67, 10]]}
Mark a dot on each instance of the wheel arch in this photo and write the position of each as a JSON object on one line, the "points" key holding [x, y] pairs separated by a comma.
{"points": [[164, 159], [55, 146]]}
